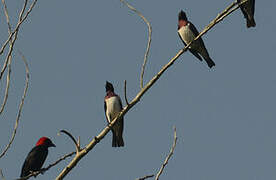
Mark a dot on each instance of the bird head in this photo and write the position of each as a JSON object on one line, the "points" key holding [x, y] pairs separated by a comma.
{"points": [[182, 19], [44, 141], [109, 87], [182, 16]]}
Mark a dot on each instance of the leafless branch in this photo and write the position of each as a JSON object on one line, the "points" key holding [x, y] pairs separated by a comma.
{"points": [[149, 39], [140, 94], [145, 177], [125, 85], [48, 167], [72, 138], [18, 25], [2, 175], [20, 107], [168, 157]]}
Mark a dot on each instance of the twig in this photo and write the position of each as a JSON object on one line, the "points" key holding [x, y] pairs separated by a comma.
{"points": [[15, 32], [140, 94], [125, 85], [168, 157], [2, 175], [48, 167], [72, 138], [8, 60], [145, 177], [149, 39], [20, 108]]}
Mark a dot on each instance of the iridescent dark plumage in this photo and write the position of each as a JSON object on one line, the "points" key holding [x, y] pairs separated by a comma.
{"points": [[248, 10], [36, 157]]}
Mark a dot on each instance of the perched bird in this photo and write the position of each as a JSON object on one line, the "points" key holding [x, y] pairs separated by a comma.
{"points": [[36, 156], [112, 107], [248, 9], [187, 32]]}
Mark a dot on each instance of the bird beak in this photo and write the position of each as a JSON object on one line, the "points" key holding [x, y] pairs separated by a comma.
{"points": [[52, 145]]}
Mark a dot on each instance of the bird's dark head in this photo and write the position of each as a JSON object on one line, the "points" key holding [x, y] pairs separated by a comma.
{"points": [[182, 19], [182, 16], [44, 141], [109, 87]]}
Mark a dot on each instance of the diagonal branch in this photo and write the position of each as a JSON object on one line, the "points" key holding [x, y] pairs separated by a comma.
{"points": [[168, 157], [149, 39], [140, 94], [20, 108], [145, 177], [48, 167]]}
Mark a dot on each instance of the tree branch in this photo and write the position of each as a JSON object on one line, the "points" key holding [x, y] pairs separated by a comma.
{"points": [[48, 167], [125, 84], [168, 157], [140, 94], [20, 108], [145, 177], [149, 39], [73, 139]]}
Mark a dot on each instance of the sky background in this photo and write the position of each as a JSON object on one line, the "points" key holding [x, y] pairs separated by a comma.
{"points": [[225, 117]]}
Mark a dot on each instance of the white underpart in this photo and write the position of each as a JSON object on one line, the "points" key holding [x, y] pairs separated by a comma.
{"points": [[113, 107], [187, 36]]}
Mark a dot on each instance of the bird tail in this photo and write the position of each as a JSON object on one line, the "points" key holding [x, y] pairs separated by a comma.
{"points": [[250, 22], [210, 62], [117, 140]]}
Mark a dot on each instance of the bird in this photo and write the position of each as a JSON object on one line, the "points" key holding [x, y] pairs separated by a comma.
{"points": [[187, 32], [248, 9], [36, 156], [113, 106]]}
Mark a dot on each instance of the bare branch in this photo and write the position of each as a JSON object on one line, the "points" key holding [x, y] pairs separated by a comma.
{"points": [[149, 39], [48, 167], [2, 175], [17, 27], [72, 138], [125, 84], [145, 177], [168, 157], [140, 94], [20, 108]]}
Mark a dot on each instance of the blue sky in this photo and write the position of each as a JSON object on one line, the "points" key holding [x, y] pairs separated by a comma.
{"points": [[225, 117]]}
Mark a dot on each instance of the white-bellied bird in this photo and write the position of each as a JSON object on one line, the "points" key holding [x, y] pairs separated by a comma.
{"points": [[113, 106], [188, 32]]}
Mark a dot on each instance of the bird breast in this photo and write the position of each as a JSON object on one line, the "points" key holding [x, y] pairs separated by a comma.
{"points": [[113, 107], [186, 34]]}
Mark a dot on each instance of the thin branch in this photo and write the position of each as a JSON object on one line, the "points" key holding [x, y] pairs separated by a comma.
{"points": [[140, 94], [2, 175], [149, 39], [8, 60], [21, 20], [20, 107], [145, 177], [168, 157], [72, 138], [48, 167], [125, 85]]}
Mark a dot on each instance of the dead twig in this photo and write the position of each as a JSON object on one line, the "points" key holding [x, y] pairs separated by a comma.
{"points": [[72, 138], [48, 167], [125, 85], [168, 157], [145, 177], [20, 108], [149, 39]]}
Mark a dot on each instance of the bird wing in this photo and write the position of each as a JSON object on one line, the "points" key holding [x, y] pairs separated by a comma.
{"points": [[191, 50], [105, 112], [34, 160]]}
